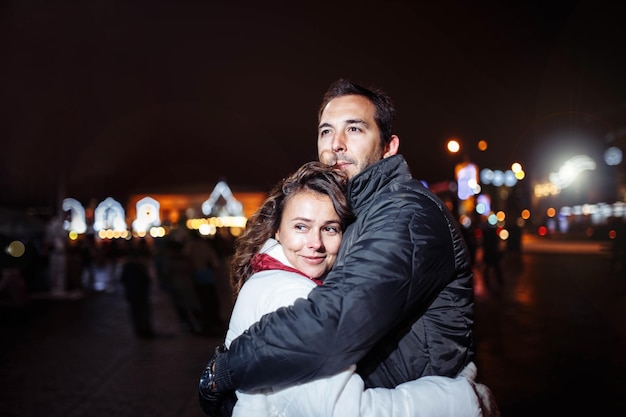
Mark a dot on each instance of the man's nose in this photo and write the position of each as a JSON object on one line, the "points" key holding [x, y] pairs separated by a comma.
{"points": [[339, 142]]}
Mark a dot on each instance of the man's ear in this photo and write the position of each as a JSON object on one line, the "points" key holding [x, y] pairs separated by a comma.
{"points": [[391, 148]]}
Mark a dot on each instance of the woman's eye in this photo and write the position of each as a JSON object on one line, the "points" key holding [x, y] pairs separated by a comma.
{"points": [[332, 230]]}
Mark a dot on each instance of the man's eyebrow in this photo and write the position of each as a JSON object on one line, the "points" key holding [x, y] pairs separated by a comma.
{"points": [[356, 121], [348, 121]]}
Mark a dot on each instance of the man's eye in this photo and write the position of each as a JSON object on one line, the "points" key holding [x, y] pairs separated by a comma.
{"points": [[354, 129], [324, 132], [300, 227]]}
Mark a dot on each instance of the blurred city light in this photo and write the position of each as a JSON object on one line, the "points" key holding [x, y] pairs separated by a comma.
{"points": [[465, 221], [147, 214], [157, 231], [206, 229], [453, 146], [483, 204], [109, 215], [613, 156], [77, 222], [570, 170], [231, 208], [546, 189], [16, 249], [467, 180], [499, 178]]}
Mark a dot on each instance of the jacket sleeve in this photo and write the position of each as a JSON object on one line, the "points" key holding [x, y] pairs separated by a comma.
{"points": [[361, 299]]}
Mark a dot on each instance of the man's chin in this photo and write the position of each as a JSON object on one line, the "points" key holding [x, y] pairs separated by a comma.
{"points": [[348, 169]]}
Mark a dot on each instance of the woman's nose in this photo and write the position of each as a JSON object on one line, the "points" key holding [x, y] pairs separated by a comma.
{"points": [[315, 242]]}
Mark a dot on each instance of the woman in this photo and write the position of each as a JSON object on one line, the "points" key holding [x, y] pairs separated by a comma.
{"points": [[289, 244]]}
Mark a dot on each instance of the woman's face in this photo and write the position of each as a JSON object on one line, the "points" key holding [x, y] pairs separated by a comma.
{"points": [[310, 233]]}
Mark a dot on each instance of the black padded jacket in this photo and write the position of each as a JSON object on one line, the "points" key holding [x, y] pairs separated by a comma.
{"points": [[398, 302]]}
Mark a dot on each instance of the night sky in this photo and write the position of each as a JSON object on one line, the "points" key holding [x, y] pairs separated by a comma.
{"points": [[103, 98]]}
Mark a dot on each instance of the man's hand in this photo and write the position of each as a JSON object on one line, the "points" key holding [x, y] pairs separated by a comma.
{"points": [[215, 403], [218, 404]]}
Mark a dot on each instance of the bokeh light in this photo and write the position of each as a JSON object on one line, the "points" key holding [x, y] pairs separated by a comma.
{"points": [[16, 249], [453, 146]]}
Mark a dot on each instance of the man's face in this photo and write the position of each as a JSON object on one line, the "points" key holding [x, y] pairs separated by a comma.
{"points": [[348, 136]]}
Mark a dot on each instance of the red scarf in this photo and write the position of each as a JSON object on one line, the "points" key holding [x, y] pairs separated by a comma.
{"points": [[264, 262]]}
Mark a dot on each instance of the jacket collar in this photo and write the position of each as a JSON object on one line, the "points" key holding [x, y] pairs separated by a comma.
{"points": [[380, 174]]}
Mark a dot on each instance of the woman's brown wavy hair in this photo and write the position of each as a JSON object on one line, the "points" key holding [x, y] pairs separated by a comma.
{"points": [[263, 224]]}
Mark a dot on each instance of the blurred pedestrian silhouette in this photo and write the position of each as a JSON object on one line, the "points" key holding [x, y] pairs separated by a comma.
{"points": [[88, 251], [492, 255], [514, 247], [135, 278], [175, 275], [205, 263], [618, 246], [469, 236]]}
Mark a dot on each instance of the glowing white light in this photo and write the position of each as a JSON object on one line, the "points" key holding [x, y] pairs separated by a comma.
{"points": [[147, 214], [109, 215], [232, 206], [571, 169], [77, 222], [207, 229], [454, 146], [466, 179]]}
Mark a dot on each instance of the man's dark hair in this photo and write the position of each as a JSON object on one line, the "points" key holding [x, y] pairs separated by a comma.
{"points": [[385, 111]]}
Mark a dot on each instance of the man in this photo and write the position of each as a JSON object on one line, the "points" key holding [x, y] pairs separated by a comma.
{"points": [[399, 300]]}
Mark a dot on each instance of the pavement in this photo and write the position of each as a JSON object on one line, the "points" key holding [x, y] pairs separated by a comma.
{"points": [[551, 340], [76, 355]]}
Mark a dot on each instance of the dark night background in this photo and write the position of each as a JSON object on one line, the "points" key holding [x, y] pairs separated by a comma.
{"points": [[106, 98]]}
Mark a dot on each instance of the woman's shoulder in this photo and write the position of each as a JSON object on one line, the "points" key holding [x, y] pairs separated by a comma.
{"points": [[277, 280]]}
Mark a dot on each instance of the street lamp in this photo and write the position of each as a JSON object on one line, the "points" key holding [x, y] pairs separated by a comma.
{"points": [[453, 146]]}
